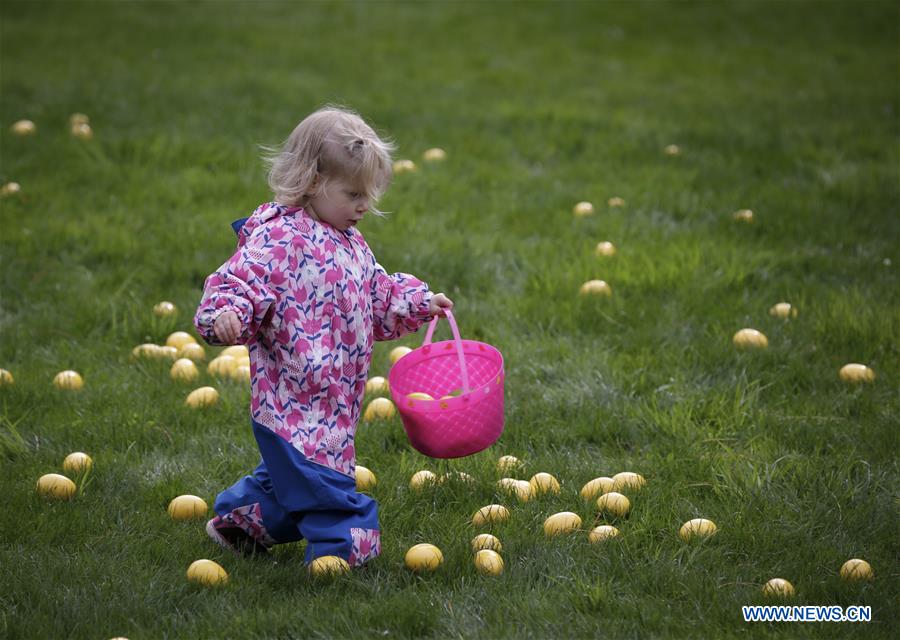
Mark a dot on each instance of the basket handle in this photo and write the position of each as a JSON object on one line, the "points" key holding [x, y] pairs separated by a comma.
{"points": [[459, 349]]}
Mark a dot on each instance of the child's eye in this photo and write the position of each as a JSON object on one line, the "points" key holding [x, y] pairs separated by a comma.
{"points": [[353, 194]]}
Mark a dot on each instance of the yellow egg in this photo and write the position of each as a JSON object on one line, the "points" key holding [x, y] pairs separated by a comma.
{"points": [[241, 373], [222, 366], [778, 588], [184, 370], [23, 128], [164, 309], [423, 557], [192, 351], [82, 131], [202, 397], [456, 476], [520, 488], [856, 373], [328, 567], [419, 395], [628, 480], [750, 339], [379, 409], [582, 209], [365, 479], [146, 350], [179, 339], [563, 522], [56, 486], [187, 507], [6, 378], [237, 351], [404, 166], [68, 380], [596, 487], [207, 573], [783, 310], [614, 503], [744, 215], [605, 249], [10, 189], [434, 155], [492, 513], [486, 541], [167, 353], [601, 533], [698, 527], [420, 479], [77, 462], [542, 483], [397, 353], [377, 384], [78, 118], [616, 202], [488, 562], [672, 150], [507, 464], [595, 288], [856, 569]]}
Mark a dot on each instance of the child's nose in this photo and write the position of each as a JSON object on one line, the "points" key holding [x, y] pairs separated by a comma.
{"points": [[363, 205]]}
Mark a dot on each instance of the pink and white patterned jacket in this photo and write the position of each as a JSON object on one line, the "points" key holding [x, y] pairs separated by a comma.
{"points": [[311, 300]]}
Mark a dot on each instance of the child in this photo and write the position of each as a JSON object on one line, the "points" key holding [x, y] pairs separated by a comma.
{"points": [[305, 294]]}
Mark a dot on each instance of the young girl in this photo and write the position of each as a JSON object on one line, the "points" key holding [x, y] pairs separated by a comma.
{"points": [[305, 294]]}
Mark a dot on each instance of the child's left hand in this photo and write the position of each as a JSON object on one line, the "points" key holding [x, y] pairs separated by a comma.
{"points": [[440, 302]]}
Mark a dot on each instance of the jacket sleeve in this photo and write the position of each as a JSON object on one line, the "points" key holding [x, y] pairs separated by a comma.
{"points": [[247, 284], [399, 304]]}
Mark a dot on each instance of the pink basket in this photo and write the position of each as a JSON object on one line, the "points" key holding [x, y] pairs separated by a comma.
{"points": [[450, 427]]}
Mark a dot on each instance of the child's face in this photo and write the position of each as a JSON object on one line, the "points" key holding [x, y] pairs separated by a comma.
{"points": [[340, 204]]}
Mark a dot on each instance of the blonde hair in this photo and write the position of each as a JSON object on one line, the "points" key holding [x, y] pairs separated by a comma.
{"points": [[333, 142]]}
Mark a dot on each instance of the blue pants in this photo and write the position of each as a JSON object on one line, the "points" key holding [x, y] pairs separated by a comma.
{"points": [[289, 498]]}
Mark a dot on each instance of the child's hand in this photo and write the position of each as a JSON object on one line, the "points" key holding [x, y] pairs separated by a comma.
{"points": [[227, 327], [438, 303]]}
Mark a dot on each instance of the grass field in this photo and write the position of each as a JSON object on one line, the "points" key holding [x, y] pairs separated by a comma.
{"points": [[790, 110]]}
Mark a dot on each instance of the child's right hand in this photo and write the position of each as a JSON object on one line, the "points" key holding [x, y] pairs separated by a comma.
{"points": [[227, 327]]}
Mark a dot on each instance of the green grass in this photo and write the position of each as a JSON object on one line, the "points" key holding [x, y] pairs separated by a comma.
{"points": [[790, 110]]}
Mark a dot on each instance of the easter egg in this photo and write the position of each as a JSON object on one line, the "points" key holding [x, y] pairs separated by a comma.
{"points": [[179, 339], [614, 503], [486, 541], [750, 339], [82, 131], [78, 118], [601, 533], [184, 370], [187, 507], [397, 353], [616, 202], [456, 476], [419, 395], [856, 569], [743, 215], [434, 155], [55, 486], [508, 464], [207, 573], [365, 479], [167, 353], [241, 373], [560, 523], [856, 373], [488, 562], [222, 366], [6, 378], [595, 288], [628, 480], [783, 310], [404, 166], [10, 189], [605, 249], [236, 351], [582, 209], [490, 514], [328, 567], [778, 588], [672, 150], [192, 351], [164, 309], [77, 462], [146, 350], [23, 128], [379, 409], [68, 380], [377, 384], [423, 558], [202, 397], [697, 528], [596, 487], [420, 479], [542, 483]]}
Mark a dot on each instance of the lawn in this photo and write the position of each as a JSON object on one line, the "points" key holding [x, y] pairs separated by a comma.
{"points": [[787, 109]]}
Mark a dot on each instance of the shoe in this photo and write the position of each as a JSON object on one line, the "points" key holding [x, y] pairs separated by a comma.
{"points": [[234, 539]]}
